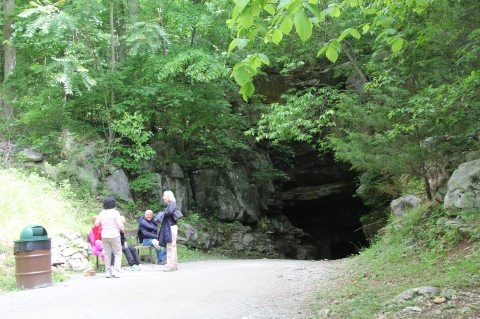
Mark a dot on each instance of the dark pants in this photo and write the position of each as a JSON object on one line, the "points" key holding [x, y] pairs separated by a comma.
{"points": [[131, 254]]}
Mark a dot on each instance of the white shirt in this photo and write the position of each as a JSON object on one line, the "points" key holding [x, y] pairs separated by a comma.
{"points": [[111, 223]]}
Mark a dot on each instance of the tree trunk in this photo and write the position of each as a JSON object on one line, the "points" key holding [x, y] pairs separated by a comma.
{"points": [[133, 11], [112, 39], [8, 50], [121, 33]]}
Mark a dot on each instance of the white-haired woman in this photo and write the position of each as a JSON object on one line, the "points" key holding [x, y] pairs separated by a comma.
{"points": [[169, 231]]}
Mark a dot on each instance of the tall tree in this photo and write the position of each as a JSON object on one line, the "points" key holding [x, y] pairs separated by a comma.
{"points": [[9, 54]]}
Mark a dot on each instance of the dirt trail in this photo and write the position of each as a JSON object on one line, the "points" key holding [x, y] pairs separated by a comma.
{"points": [[226, 289]]}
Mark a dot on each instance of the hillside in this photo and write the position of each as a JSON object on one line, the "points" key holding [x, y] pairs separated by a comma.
{"points": [[27, 198]]}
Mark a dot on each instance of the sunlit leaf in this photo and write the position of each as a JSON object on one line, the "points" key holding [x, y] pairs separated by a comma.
{"points": [[303, 26]]}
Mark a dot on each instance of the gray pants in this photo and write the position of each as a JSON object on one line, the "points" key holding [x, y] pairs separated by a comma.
{"points": [[112, 245]]}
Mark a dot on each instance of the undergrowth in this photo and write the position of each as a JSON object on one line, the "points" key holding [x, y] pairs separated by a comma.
{"points": [[425, 247]]}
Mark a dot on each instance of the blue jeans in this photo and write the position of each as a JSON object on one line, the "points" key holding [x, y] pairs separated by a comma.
{"points": [[161, 254]]}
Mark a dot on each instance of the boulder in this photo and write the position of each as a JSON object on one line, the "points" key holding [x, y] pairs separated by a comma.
{"points": [[30, 155], [229, 195], [117, 184], [401, 205], [464, 187]]}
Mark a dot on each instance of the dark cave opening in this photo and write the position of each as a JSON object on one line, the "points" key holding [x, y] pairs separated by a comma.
{"points": [[333, 226], [319, 198]]}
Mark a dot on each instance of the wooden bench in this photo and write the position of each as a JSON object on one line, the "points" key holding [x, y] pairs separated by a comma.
{"points": [[132, 240]]}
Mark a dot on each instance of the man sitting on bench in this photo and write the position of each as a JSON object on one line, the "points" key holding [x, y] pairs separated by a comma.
{"points": [[147, 234]]}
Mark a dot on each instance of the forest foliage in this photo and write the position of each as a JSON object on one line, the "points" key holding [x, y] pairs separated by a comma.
{"points": [[391, 87]]}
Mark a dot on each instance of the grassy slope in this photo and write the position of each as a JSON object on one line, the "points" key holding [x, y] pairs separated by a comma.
{"points": [[414, 250], [30, 199]]}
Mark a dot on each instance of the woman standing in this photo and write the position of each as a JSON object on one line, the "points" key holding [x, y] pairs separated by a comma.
{"points": [[169, 231], [112, 225]]}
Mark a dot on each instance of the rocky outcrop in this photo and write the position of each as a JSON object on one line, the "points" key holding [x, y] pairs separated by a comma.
{"points": [[229, 195], [70, 252], [401, 205], [309, 193], [117, 184], [464, 187]]}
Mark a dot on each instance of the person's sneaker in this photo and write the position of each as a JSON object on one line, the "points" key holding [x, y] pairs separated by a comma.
{"points": [[155, 244], [108, 274], [133, 268], [139, 266], [115, 274]]}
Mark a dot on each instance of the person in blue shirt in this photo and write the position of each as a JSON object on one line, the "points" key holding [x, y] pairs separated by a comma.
{"points": [[147, 235]]}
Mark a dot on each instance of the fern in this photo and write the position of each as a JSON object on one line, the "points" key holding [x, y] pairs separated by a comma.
{"points": [[146, 38], [196, 66]]}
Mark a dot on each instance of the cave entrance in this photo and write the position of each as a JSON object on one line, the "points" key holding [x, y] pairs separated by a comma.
{"points": [[333, 226]]}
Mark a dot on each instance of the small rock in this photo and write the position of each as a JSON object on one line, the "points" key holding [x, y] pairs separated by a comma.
{"points": [[419, 291], [89, 272], [324, 313], [415, 309], [336, 302], [448, 293], [439, 300]]}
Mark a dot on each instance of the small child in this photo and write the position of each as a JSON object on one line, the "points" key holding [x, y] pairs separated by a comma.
{"points": [[95, 238]]}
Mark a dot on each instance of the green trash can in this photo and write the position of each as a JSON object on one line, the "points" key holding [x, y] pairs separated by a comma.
{"points": [[33, 258]]}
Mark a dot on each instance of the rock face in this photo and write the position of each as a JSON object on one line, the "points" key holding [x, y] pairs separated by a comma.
{"points": [[231, 194], [401, 205], [117, 185], [464, 187]]}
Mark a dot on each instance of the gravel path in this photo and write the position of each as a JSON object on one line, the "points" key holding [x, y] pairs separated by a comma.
{"points": [[223, 289]]}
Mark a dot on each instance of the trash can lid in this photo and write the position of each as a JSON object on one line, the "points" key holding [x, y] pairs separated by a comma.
{"points": [[33, 233]]}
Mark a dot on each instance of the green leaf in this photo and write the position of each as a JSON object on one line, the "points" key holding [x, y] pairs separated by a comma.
{"points": [[294, 6], [245, 20], [354, 33], [277, 36], [283, 4], [332, 53], [343, 34], [241, 75], [303, 26], [286, 25], [264, 58], [334, 12], [314, 10], [247, 90], [322, 50], [365, 28], [237, 42], [397, 44], [269, 8], [241, 4]]}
